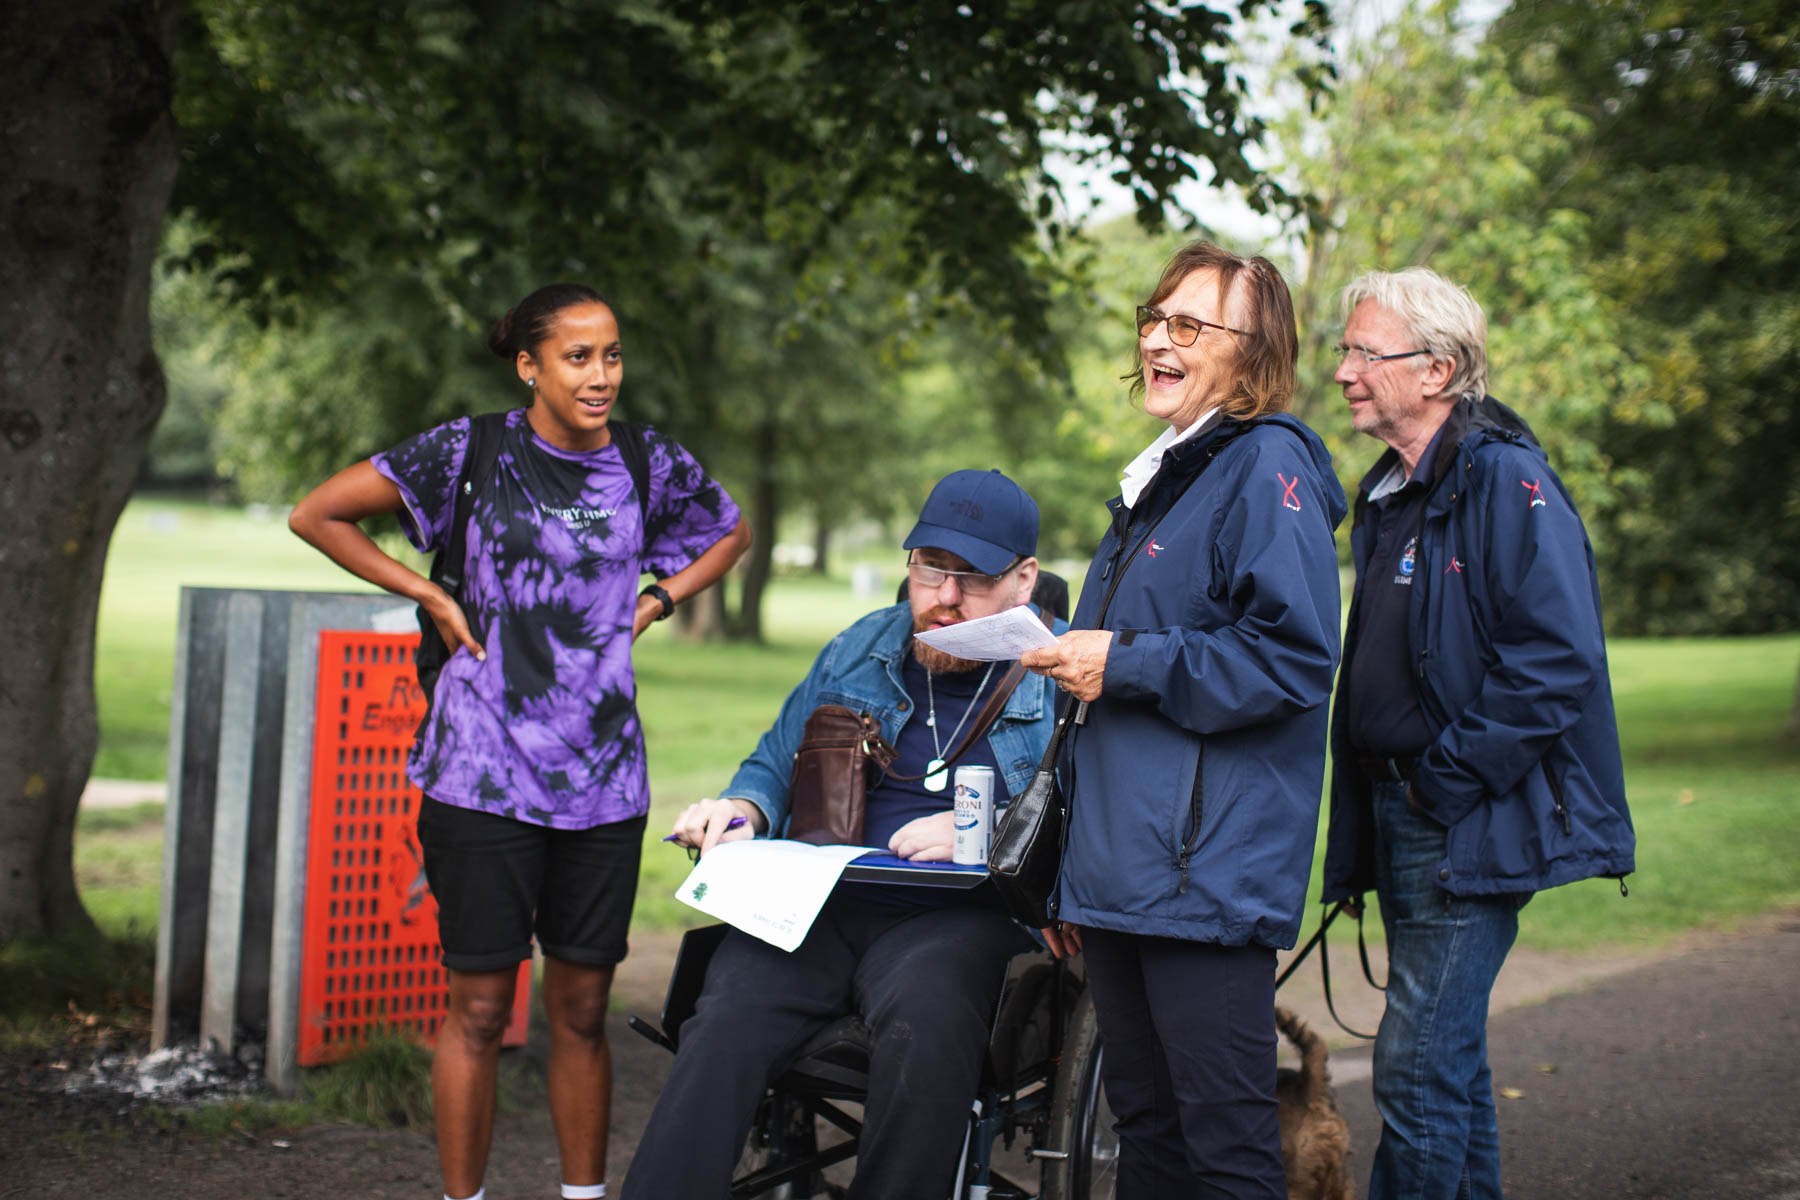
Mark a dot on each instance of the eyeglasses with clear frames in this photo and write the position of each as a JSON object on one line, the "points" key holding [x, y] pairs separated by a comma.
{"points": [[1183, 330], [969, 583], [1361, 354]]}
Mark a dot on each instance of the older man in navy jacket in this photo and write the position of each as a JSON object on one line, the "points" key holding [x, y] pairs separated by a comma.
{"points": [[1475, 751]]}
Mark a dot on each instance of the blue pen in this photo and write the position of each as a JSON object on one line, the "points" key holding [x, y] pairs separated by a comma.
{"points": [[729, 826]]}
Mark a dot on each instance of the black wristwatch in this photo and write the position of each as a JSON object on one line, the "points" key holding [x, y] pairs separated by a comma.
{"points": [[662, 594]]}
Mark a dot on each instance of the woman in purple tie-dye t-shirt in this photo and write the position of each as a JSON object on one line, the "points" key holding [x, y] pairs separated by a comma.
{"points": [[531, 757]]}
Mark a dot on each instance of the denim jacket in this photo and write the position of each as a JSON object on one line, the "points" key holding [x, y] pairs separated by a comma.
{"points": [[860, 669]]}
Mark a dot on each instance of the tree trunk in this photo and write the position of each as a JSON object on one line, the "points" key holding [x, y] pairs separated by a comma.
{"points": [[821, 543], [89, 144], [703, 618], [707, 617], [765, 512]]}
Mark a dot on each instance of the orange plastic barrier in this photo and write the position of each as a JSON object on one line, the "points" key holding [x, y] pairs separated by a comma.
{"points": [[369, 948]]}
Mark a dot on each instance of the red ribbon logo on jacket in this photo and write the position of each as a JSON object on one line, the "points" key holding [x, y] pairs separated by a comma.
{"points": [[1288, 499]]}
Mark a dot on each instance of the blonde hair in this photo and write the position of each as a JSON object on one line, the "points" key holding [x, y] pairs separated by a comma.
{"points": [[1266, 353], [1439, 316]]}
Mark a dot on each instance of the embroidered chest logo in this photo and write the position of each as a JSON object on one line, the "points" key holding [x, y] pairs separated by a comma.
{"points": [[1455, 565], [1537, 493], [1288, 499], [1154, 547], [1409, 562]]}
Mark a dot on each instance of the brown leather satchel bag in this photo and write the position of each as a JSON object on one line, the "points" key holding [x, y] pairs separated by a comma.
{"points": [[842, 753]]}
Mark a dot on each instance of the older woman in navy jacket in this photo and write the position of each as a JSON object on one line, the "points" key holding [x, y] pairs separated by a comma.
{"points": [[1195, 768]]}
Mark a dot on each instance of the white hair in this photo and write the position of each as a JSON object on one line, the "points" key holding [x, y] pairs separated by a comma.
{"points": [[1439, 316]]}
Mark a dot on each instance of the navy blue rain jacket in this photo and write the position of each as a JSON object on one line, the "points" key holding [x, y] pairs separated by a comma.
{"points": [[1194, 785], [1510, 665]]}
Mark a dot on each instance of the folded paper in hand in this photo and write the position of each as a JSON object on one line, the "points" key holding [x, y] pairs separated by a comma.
{"points": [[1002, 637]]}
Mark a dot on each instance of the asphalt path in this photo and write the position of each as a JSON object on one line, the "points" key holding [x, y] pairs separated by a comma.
{"points": [[1679, 1079]]}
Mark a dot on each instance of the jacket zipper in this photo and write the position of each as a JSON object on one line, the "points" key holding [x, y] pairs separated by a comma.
{"points": [[1556, 797], [1121, 559], [1196, 805], [1422, 691]]}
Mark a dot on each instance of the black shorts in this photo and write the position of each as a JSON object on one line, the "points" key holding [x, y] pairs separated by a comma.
{"points": [[497, 880]]}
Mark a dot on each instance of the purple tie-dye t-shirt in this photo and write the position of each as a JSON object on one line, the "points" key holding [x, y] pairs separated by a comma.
{"points": [[546, 729]]}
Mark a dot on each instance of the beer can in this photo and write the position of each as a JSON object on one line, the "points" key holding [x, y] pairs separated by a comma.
{"points": [[974, 815]]}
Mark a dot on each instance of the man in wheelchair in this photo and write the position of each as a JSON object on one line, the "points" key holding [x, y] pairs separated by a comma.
{"points": [[922, 966]]}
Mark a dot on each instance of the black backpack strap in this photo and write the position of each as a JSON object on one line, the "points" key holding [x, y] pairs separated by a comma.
{"points": [[485, 430], [450, 563], [628, 436]]}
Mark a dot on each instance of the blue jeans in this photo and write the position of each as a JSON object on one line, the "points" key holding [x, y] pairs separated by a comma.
{"points": [[1439, 1139]]}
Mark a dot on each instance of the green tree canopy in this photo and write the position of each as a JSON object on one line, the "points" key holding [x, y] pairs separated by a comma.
{"points": [[1690, 174], [1432, 155], [780, 200]]}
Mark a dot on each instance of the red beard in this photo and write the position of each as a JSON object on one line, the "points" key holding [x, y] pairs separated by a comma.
{"points": [[931, 658]]}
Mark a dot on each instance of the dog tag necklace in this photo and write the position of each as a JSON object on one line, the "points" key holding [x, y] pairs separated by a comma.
{"points": [[937, 774]]}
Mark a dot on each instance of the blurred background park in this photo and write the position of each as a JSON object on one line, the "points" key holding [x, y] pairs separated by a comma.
{"points": [[835, 284]]}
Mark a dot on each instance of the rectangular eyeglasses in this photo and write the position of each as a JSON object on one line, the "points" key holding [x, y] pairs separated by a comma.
{"points": [[969, 583]]}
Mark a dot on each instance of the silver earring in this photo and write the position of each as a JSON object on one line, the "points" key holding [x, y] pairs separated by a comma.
{"points": [[531, 383]]}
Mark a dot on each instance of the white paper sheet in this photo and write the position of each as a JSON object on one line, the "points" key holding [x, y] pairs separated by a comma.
{"points": [[772, 889], [1002, 637]]}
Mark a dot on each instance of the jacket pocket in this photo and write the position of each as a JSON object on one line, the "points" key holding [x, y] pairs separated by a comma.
{"points": [[1190, 840]]}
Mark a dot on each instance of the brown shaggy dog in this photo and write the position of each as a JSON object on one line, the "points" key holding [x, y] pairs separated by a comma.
{"points": [[1315, 1139]]}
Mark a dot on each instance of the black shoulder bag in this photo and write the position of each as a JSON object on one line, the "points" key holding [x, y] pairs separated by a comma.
{"points": [[449, 566], [1025, 857]]}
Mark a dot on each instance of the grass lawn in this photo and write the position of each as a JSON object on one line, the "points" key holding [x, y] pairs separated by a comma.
{"points": [[160, 546], [1712, 784], [1710, 779]]}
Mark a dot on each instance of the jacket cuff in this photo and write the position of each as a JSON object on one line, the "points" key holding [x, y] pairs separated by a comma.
{"points": [[773, 801], [761, 806], [1127, 658]]}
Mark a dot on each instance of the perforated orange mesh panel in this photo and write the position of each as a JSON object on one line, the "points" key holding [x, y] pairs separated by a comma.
{"points": [[369, 947]]}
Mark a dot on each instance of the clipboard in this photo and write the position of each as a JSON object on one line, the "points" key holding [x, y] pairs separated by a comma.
{"points": [[878, 866]]}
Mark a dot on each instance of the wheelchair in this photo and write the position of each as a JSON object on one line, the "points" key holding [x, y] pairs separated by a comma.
{"points": [[1039, 1102]]}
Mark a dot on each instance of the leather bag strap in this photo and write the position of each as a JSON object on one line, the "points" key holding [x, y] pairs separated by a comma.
{"points": [[985, 717]]}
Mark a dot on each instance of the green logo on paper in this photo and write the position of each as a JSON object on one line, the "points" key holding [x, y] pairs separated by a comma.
{"points": [[699, 892]]}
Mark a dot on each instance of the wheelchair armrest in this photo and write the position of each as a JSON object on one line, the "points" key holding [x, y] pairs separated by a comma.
{"points": [[685, 981], [645, 1029]]}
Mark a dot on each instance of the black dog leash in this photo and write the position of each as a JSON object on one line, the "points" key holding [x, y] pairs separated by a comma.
{"points": [[1318, 940]]}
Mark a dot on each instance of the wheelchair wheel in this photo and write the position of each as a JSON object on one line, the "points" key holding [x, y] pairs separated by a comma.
{"points": [[783, 1132], [1080, 1121]]}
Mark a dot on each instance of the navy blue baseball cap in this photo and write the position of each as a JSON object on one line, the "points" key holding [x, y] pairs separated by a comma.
{"points": [[982, 516]]}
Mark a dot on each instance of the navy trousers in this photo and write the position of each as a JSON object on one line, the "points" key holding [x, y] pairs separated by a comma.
{"points": [[925, 980], [1189, 1065]]}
